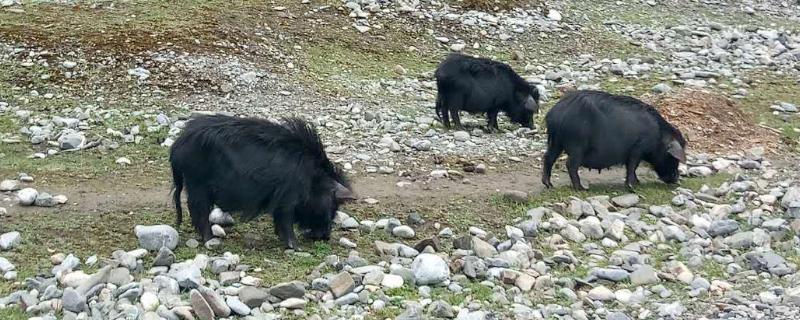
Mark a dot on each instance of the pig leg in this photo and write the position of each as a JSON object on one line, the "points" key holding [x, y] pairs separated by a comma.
{"points": [[550, 158], [456, 118], [492, 116], [445, 118], [573, 164], [285, 229], [199, 203], [630, 172]]}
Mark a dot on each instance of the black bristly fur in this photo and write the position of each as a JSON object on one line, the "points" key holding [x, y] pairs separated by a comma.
{"points": [[254, 166], [479, 85], [598, 130]]}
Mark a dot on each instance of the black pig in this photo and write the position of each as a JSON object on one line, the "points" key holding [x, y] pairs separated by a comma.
{"points": [[598, 130], [253, 166], [478, 85]]}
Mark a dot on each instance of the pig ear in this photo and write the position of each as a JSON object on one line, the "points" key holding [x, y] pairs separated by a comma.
{"points": [[674, 148], [342, 193], [530, 104]]}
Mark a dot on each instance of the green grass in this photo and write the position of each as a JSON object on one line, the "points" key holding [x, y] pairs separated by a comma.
{"points": [[12, 313], [650, 192], [769, 90]]}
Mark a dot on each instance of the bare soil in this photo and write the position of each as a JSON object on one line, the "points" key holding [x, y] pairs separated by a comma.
{"points": [[713, 123]]}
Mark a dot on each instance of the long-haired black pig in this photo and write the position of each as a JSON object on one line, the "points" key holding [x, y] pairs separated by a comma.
{"points": [[254, 166], [598, 130]]}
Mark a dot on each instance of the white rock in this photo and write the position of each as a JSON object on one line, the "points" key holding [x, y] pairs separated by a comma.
{"points": [[554, 15], [27, 196], [10, 240], [149, 301], [218, 231], [123, 161], [429, 269], [392, 281], [9, 185]]}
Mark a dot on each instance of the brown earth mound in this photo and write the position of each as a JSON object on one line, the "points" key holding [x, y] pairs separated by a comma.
{"points": [[712, 123]]}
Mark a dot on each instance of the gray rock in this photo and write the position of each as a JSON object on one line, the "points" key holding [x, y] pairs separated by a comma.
{"points": [[188, 276], [252, 297], [591, 228], [71, 141], [482, 249], [615, 275], [516, 196], [791, 195], [723, 228], [119, 276], [441, 309], [44, 199], [200, 306], [601, 293], [341, 284], [474, 267], [347, 299], [228, 278], [294, 303], [73, 301], [10, 240], [429, 269], [404, 232], [27, 196], [461, 136], [98, 277], [237, 306], [673, 233], [9, 185], [644, 275], [412, 312], [661, 88], [165, 258], [617, 316], [741, 240], [673, 310], [5, 265], [626, 200], [152, 238], [286, 290], [216, 302], [220, 217]]}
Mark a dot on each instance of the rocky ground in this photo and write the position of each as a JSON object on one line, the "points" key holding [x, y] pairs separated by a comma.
{"points": [[449, 224]]}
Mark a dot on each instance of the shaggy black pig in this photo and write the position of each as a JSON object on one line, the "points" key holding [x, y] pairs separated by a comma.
{"points": [[478, 85], [598, 130], [254, 166]]}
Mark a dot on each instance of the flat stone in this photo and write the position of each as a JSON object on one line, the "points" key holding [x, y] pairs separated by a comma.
{"points": [[341, 284], [626, 200], [200, 306], [252, 297], [287, 290], [10, 240], [644, 275], [216, 302], [429, 269], [154, 237], [293, 303], [237, 306]]}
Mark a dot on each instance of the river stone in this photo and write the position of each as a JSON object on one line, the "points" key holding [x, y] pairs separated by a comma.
{"points": [[429, 269], [200, 306], [341, 284], [287, 290], [237, 306], [252, 297], [216, 302], [10, 240], [154, 237]]}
